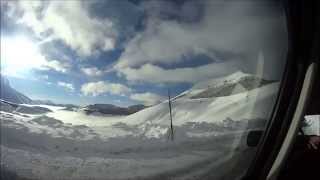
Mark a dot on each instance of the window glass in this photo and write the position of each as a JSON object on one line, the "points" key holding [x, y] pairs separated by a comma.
{"points": [[136, 89]]}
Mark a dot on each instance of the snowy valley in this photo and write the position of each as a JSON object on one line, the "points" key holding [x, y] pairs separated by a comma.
{"points": [[210, 121]]}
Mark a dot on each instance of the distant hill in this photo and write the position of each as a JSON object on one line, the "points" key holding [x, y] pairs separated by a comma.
{"points": [[19, 108], [45, 102], [112, 109], [135, 108], [11, 95], [50, 103], [7, 93]]}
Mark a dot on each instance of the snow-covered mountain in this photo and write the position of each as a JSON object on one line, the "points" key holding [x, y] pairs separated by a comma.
{"points": [[237, 96], [45, 102], [235, 83], [10, 107], [10, 94]]}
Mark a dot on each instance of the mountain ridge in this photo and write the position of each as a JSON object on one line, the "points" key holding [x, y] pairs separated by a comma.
{"points": [[112, 109], [10, 94]]}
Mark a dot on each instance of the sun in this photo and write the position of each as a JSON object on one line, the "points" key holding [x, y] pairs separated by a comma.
{"points": [[20, 54]]}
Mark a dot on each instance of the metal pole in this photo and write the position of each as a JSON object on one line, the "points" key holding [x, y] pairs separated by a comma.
{"points": [[170, 110]]}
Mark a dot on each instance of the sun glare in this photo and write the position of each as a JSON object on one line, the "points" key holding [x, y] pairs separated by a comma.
{"points": [[19, 54]]}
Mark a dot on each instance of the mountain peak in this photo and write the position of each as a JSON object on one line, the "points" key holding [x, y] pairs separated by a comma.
{"points": [[11, 95], [4, 81], [236, 76]]}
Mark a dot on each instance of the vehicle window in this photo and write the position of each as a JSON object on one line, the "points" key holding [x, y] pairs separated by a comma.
{"points": [[136, 89]]}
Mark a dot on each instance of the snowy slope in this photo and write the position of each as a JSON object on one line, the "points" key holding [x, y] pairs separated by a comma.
{"points": [[45, 148], [10, 94], [239, 104], [210, 121]]}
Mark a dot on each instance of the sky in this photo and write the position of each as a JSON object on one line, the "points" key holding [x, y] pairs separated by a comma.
{"points": [[132, 51]]}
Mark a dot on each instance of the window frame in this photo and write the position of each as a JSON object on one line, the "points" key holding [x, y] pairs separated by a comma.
{"points": [[303, 49]]}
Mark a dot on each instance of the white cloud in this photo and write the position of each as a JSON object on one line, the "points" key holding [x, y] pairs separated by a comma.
{"points": [[101, 87], [28, 57], [155, 74], [67, 86], [70, 22], [241, 29], [147, 98], [62, 67], [92, 71]]}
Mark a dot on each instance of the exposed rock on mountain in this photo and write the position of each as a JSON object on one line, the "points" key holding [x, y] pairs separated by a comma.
{"points": [[110, 109]]}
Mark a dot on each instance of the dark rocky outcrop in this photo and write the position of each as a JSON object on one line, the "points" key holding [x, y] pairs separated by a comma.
{"points": [[112, 109]]}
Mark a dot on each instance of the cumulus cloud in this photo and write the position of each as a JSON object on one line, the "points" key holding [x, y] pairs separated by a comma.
{"points": [[58, 66], [101, 87], [66, 86], [92, 71], [147, 98], [238, 28], [155, 74], [70, 22]]}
